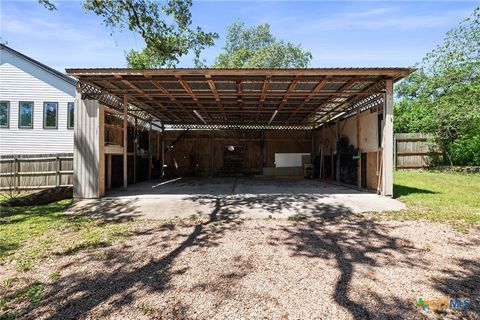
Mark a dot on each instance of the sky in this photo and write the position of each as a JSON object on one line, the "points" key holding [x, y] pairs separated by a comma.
{"points": [[338, 33]]}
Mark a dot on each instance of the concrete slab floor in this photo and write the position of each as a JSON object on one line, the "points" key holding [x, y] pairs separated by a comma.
{"points": [[235, 197]]}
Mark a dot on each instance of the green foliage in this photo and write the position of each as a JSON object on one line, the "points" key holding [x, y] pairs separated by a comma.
{"points": [[443, 95], [256, 47], [30, 234], [54, 276], [164, 26], [34, 292]]}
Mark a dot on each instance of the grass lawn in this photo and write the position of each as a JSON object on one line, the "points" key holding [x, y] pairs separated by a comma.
{"points": [[28, 234], [453, 198]]}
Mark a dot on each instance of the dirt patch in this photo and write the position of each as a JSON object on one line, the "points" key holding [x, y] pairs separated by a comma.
{"points": [[224, 268], [40, 198]]}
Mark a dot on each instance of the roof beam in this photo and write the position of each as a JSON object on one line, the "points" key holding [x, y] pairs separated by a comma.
{"points": [[134, 87], [170, 96], [263, 95], [315, 90], [194, 97], [391, 72], [215, 94], [342, 89], [365, 91], [140, 103], [187, 88]]}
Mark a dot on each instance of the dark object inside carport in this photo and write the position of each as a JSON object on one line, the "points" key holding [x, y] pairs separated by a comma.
{"points": [[41, 197], [348, 161]]}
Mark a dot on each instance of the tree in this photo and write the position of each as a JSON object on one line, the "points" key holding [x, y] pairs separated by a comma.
{"points": [[165, 28], [443, 95], [256, 47]]}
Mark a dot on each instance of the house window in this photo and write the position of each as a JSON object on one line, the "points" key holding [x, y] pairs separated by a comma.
{"points": [[25, 115], [4, 114], [50, 115], [70, 115]]}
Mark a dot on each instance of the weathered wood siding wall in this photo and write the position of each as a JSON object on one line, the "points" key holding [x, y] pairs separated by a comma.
{"points": [[192, 153], [36, 171], [86, 164], [412, 150]]}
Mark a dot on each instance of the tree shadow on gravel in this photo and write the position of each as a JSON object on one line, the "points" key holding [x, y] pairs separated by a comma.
{"points": [[462, 281], [351, 243], [81, 292]]}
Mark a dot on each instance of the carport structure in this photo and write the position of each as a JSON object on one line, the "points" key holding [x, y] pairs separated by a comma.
{"points": [[138, 124]]}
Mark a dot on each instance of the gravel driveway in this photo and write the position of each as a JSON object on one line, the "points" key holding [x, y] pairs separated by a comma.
{"points": [[346, 267]]}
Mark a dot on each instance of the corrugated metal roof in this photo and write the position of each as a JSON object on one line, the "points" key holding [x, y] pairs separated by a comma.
{"points": [[229, 97]]}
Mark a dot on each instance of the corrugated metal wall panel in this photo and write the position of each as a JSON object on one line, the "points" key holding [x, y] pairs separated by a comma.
{"points": [[22, 81]]}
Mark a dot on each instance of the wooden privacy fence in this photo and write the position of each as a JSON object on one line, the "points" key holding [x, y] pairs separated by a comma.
{"points": [[413, 150], [23, 172]]}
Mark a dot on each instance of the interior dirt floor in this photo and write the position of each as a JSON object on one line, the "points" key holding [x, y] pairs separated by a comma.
{"points": [[236, 197]]}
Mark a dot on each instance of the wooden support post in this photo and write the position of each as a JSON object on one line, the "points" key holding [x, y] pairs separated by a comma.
{"points": [[359, 161], [322, 162], [157, 145], [312, 157], [150, 153], [337, 171], [135, 147], [163, 151], [387, 177], [109, 171], [262, 155], [125, 142], [331, 163], [213, 153]]}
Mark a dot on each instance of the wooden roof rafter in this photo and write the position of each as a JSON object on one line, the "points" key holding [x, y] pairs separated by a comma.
{"points": [[341, 90], [315, 91], [149, 109], [371, 90], [213, 89], [263, 95]]}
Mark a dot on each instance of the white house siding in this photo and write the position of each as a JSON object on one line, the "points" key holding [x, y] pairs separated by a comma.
{"points": [[21, 80]]}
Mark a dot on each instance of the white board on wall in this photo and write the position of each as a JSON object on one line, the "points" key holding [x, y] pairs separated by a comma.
{"points": [[289, 159]]}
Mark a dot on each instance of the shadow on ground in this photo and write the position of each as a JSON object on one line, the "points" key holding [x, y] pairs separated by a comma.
{"points": [[351, 243], [401, 190], [85, 292], [106, 210], [345, 241]]}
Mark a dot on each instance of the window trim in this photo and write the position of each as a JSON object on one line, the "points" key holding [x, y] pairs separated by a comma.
{"points": [[19, 117], [68, 115], [8, 115], [45, 118]]}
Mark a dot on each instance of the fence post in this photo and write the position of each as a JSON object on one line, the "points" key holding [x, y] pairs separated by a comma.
{"points": [[57, 174], [395, 151], [15, 174]]}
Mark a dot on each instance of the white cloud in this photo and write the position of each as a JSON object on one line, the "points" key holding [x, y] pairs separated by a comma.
{"points": [[57, 42]]}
